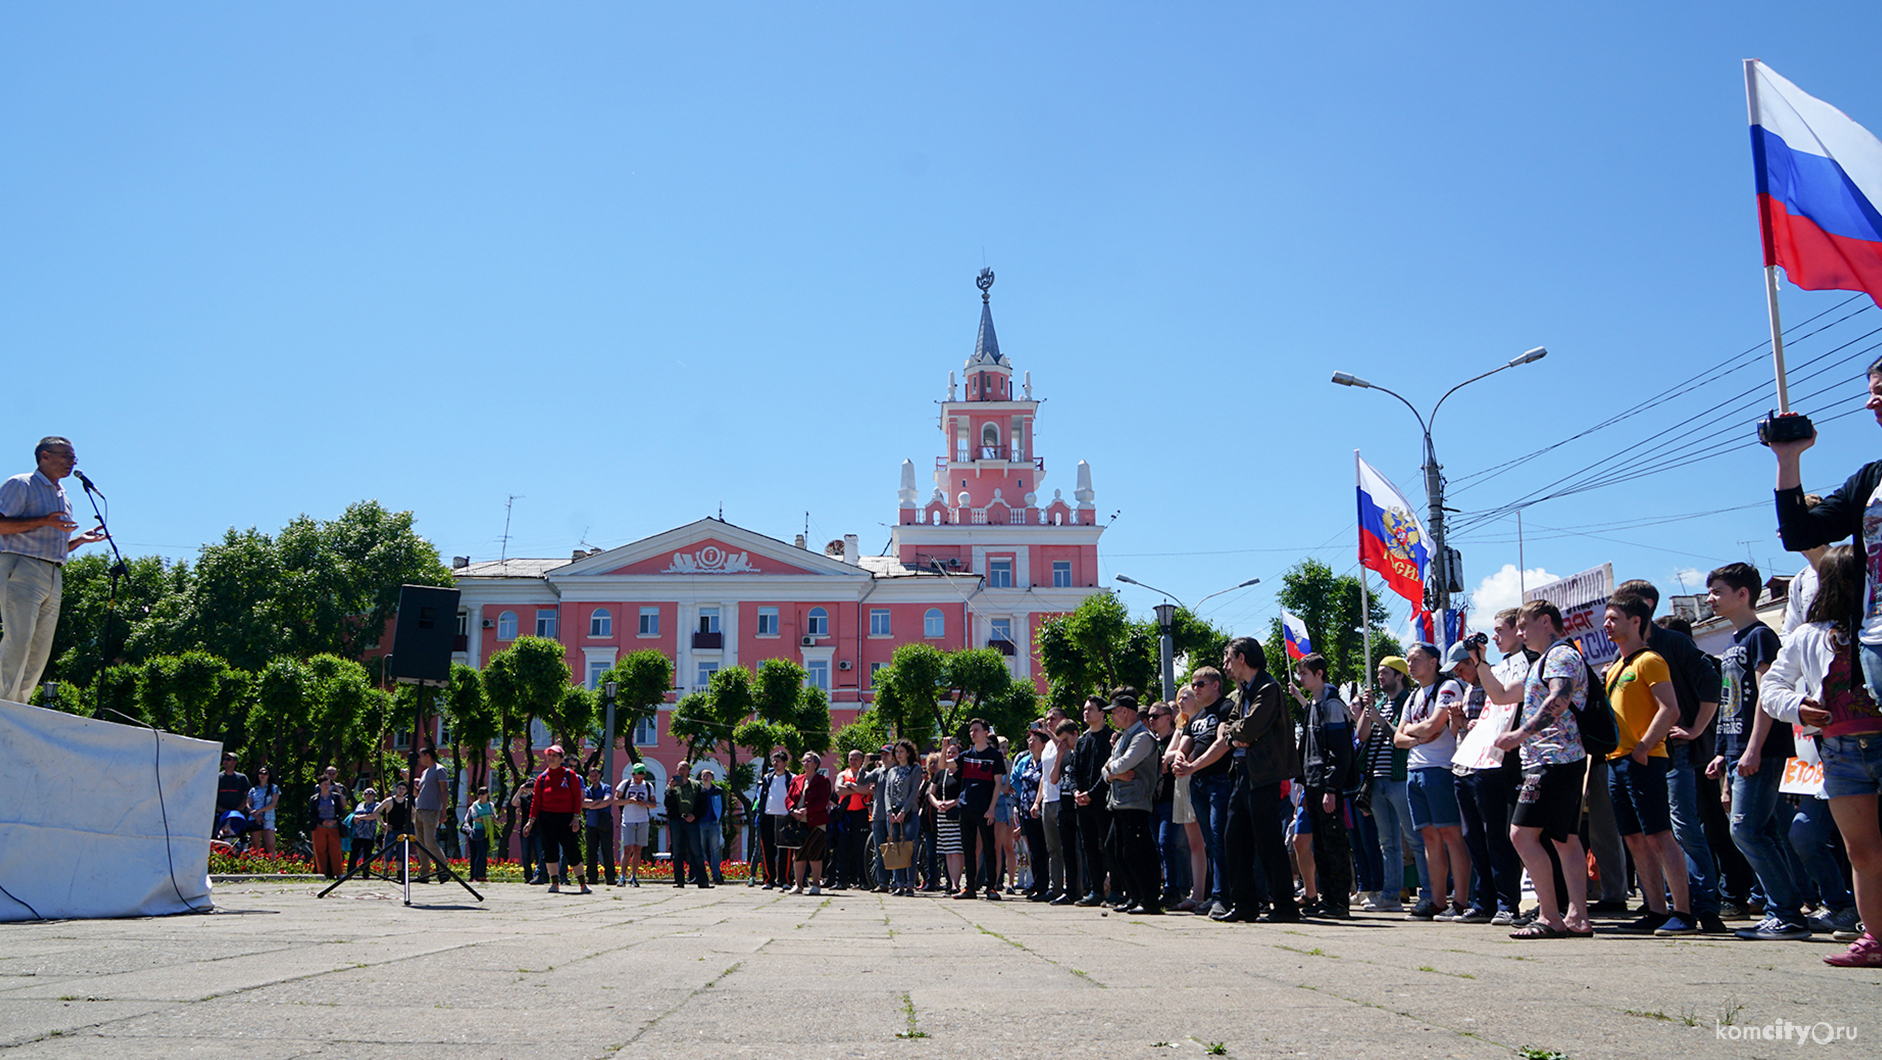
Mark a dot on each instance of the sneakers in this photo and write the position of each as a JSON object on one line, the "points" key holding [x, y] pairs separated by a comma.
{"points": [[964, 894], [1425, 911], [1773, 929], [1452, 913], [993, 894], [1676, 924], [1211, 909], [1473, 915], [1848, 936], [1646, 925], [813, 890], [1503, 918], [1865, 952], [1846, 920], [1383, 903]]}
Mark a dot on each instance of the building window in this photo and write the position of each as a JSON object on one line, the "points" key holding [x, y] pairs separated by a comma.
{"points": [[539, 737], [1061, 574], [1003, 629], [873, 668], [595, 669], [878, 621], [817, 674], [1000, 574], [934, 623], [817, 624], [708, 620], [706, 670], [601, 623], [646, 731], [506, 626], [463, 623], [650, 621], [545, 624], [767, 621]]}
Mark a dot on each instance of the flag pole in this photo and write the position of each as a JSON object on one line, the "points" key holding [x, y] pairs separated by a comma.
{"points": [[1768, 237], [1365, 605]]}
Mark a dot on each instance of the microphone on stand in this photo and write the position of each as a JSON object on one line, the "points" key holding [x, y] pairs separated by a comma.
{"points": [[86, 482]]}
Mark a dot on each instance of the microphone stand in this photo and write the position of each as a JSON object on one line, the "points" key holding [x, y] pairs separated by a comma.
{"points": [[117, 570]]}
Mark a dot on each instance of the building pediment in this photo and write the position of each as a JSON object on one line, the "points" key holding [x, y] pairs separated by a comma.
{"points": [[707, 548]]}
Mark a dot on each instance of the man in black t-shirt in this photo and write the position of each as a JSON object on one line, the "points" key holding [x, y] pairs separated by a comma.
{"points": [[983, 775], [1209, 782], [1089, 789], [231, 789], [1753, 748]]}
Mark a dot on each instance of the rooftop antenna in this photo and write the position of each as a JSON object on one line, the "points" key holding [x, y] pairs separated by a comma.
{"points": [[722, 511], [507, 505]]}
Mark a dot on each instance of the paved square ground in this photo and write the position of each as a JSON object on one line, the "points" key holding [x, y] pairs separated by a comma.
{"points": [[659, 972]]}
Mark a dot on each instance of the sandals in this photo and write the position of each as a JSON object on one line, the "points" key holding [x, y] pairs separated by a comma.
{"points": [[1540, 930]]}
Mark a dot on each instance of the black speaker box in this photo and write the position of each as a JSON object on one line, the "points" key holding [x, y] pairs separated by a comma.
{"points": [[424, 633]]}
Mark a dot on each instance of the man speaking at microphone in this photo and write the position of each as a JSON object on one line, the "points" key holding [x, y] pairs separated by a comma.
{"points": [[35, 535]]}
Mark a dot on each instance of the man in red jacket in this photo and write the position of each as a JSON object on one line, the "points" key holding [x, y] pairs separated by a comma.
{"points": [[557, 804], [810, 803]]}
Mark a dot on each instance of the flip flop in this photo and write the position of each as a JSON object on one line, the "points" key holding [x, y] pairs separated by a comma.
{"points": [[1539, 930], [1588, 934]]}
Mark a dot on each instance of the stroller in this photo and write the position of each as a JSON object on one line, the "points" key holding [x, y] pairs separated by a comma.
{"points": [[231, 835]]}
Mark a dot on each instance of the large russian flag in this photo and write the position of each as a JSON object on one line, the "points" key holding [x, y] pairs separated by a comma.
{"points": [[1392, 541], [1294, 636], [1819, 184]]}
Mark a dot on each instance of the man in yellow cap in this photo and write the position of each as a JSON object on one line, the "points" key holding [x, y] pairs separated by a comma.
{"points": [[1379, 714]]}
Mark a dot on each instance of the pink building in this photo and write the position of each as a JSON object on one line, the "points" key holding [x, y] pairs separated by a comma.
{"points": [[982, 561]]}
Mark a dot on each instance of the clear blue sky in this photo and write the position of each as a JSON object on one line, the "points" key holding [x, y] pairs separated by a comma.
{"points": [[631, 262]]}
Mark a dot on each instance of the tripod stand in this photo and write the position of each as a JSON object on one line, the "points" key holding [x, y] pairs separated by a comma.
{"points": [[403, 841]]}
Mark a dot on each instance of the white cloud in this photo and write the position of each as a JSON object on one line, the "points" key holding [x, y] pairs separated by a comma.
{"points": [[1503, 589], [1687, 581]]}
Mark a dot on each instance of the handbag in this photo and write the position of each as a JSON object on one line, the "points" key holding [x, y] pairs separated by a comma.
{"points": [[899, 854], [792, 833]]}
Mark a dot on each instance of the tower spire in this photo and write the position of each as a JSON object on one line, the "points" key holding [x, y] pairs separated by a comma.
{"points": [[986, 343]]}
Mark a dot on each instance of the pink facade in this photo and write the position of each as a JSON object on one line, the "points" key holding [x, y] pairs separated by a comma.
{"points": [[981, 562]]}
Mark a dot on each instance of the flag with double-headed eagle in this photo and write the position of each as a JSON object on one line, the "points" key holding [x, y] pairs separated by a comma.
{"points": [[1392, 541]]}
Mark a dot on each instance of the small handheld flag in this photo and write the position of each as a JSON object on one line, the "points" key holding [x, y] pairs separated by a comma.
{"points": [[1294, 631]]}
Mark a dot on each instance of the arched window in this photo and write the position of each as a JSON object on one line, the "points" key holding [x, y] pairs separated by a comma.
{"points": [[934, 624], [506, 626], [601, 623], [817, 623], [990, 434]]}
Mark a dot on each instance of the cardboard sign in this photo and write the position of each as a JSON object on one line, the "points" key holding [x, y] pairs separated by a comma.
{"points": [[1477, 750], [1803, 775]]}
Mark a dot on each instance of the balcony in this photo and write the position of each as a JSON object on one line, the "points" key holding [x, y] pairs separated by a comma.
{"points": [[1002, 645], [708, 641], [986, 454], [460, 642]]}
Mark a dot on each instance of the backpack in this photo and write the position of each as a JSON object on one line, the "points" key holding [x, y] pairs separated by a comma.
{"points": [[1600, 735]]}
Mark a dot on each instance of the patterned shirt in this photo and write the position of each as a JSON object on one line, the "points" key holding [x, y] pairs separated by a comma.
{"points": [[1025, 780], [1557, 741], [32, 495]]}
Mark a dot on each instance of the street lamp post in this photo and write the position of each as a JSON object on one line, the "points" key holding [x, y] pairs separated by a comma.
{"points": [[607, 756], [1449, 568], [1166, 649]]}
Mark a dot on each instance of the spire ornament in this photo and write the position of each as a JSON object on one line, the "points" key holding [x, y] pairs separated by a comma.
{"points": [[984, 281]]}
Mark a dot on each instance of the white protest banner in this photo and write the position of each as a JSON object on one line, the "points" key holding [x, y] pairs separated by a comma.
{"points": [[1582, 599]]}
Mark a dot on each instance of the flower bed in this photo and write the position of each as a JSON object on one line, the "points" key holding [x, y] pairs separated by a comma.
{"points": [[258, 863]]}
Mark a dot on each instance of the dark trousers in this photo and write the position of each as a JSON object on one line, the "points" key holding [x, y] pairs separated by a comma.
{"points": [[1035, 832], [977, 843], [1332, 849], [1255, 848], [774, 857], [479, 854], [689, 854], [1094, 834], [600, 853], [1068, 846], [362, 852], [1368, 861], [1485, 797], [1135, 857], [852, 848]]}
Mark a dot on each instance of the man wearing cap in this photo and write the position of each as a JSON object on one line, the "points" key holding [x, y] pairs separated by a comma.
{"points": [[35, 536], [598, 815], [1131, 772], [553, 815], [635, 796], [1379, 714], [231, 788]]}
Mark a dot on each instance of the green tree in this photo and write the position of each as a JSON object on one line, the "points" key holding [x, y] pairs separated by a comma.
{"points": [[92, 622], [472, 720], [1098, 648], [642, 680], [524, 681], [1328, 605]]}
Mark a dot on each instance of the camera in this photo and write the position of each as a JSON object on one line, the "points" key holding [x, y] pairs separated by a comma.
{"points": [[1789, 427], [1477, 640]]}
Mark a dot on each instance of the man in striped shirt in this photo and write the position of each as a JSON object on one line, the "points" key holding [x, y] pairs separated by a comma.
{"points": [[35, 535]]}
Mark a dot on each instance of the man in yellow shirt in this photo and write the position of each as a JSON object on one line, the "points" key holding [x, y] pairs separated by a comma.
{"points": [[1640, 690]]}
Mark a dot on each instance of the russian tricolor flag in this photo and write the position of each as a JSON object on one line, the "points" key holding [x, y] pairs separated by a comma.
{"points": [[1819, 186], [1392, 541], [1294, 632]]}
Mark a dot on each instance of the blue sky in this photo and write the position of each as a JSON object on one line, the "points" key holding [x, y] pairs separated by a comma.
{"points": [[633, 262]]}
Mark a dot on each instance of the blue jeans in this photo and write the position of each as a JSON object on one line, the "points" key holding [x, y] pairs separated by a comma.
{"points": [[878, 835], [908, 830], [1682, 800], [1172, 849], [1755, 805], [1391, 810], [1210, 797], [711, 839]]}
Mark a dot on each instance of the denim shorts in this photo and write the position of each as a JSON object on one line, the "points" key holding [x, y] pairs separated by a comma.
{"points": [[1303, 821], [1639, 796], [1852, 765], [1432, 792]]}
